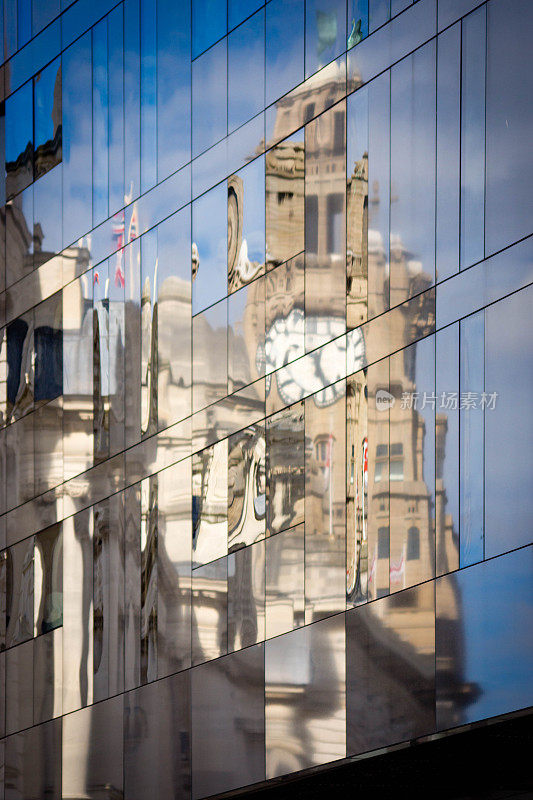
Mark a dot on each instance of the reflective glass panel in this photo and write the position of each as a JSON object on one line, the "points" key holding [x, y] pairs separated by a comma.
{"points": [[357, 209], [284, 185], [209, 96], [246, 487], [246, 224], [33, 763], [209, 355], [210, 503], [209, 248], [246, 335], [325, 33], [19, 139], [246, 596], [284, 47], [209, 21], [285, 473], [210, 611], [284, 581], [246, 70]]}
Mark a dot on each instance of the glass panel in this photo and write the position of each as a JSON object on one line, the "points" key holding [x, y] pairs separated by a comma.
{"points": [[448, 151], [246, 335], [19, 592], [149, 578], [473, 57], [379, 13], [47, 675], [174, 569], [305, 705], [228, 719], [19, 139], [447, 450], [173, 86], [20, 242], [209, 248], [379, 195], [209, 355], [209, 22], [509, 85], [508, 425], [100, 133], [209, 96], [357, 209], [210, 611], [246, 487], [48, 577], [19, 687], [20, 352], [33, 763], [92, 761], [77, 128], [325, 504], [284, 168], [48, 118], [325, 227], [412, 221], [246, 596], [357, 21], [390, 669], [149, 333], [115, 44], [47, 228], [246, 224], [132, 295], [174, 318], [48, 342], [412, 464], [284, 47], [378, 409], [210, 503], [284, 339], [285, 472], [77, 611], [239, 10], [157, 740], [246, 71], [472, 333], [132, 586], [325, 32], [285, 590], [148, 90], [132, 100], [20, 455], [357, 488], [480, 675]]}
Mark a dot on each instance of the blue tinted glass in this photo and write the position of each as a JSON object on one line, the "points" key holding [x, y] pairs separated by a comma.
{"points": [[77, 150], [100, 123], [209, 98], [246, 71], [473, 137], [115, 43], [325, 32], [132, 112], [471, 439], [209, 23], [48, 117], [209, 236], [19, 139], [10, 27], [148, 95], [173, 86], [357, 21], [43, 12], [24, 22], [240, 9], [379, 13], [284, 47]]}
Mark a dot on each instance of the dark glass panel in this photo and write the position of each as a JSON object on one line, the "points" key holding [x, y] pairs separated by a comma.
{"points": [[228, 719], [285, 474], [246, 71], [484, 651], [473, 80], [19, 139], [157, 740], [509, 89], [284, 47], [48, 343], [19, 687], [305, 697], [508, 424], [209, 96], [390, 669], [471, 441], [20, 351], [448, 151], [33, 763], [92, 763]]}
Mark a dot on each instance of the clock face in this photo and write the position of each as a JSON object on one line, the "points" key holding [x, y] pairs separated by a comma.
{"points": [[298, 376]]}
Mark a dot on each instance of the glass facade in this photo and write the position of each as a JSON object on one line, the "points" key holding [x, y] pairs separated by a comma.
{"points": [[265, 385]]}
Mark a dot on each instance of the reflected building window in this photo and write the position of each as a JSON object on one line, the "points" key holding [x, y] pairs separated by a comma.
{"points": [[413, 544]]}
